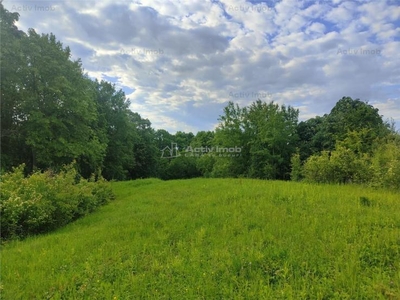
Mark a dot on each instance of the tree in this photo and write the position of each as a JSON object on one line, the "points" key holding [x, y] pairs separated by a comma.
{"points": [[183, 139], [203, 139], [230, 133], [145, 149], [13, 66], [181, 167], [163, 138], [271, 132], [48, 110], [350, 115], [117, 129], [313, 137]]}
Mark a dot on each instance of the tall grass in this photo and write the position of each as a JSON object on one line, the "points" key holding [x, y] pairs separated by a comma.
{"points": [[217, 239]]}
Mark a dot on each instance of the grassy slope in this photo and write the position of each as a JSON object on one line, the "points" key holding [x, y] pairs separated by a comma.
{"points": [[217, 238]]}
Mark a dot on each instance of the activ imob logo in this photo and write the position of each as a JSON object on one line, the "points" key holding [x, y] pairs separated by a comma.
{"points": [[173, 151], [216, 149]]}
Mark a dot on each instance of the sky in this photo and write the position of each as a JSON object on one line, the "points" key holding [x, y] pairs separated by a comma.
{"points": [[181, 62]]}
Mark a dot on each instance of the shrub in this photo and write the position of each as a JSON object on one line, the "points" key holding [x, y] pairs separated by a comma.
{"points": [[386, 165], [296, 172], [343, 165], [317, 168], [45, 201], [181, 167]]}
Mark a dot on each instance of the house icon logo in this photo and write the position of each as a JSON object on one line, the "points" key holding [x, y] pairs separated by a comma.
{"points": [[170, 152]]}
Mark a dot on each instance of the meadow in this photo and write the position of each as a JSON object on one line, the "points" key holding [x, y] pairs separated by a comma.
{"points": [[217, 239]]}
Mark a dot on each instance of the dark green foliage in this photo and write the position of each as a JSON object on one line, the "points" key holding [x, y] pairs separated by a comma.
{"points": [[183, 139], [11, 76], [313, 137], [355, 115], [53, 114], [48, 112], [296, 172], [271, 131], [117, 129], [364, 201], [205, 165], [203, 139], [230, 133], [348, 164], [266, 132], [180, 168], [353, 123], [163, 138], [44, 201], [145, 149], [350, 145], [385, 163]]}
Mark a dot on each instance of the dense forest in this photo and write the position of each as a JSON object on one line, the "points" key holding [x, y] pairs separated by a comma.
{"points": [[52, 114]]}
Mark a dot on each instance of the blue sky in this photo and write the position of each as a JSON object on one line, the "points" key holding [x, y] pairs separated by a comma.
{"points": [[180, 62]]}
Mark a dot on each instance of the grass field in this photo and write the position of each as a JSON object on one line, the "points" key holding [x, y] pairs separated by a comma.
{"points": [[217, 239]]}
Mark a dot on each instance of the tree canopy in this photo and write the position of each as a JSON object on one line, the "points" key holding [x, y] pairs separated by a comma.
{"points": [[52, 114]]}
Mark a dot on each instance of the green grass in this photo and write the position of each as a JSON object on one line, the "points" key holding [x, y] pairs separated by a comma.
{"points": [[217, 239]]}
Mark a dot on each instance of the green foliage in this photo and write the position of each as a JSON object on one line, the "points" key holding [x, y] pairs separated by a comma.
{"points": [[355, 115], [48, 112], [313, 137], [145, 149], [317, 168], [11, 76], [365, 201], [271, 132], [180, 168], [385, 164], [116, 129], [44, 201], [348, 164], [205, 164], [267, 134], [163, 138], [225, 167], [203, 139], [230, 133], [53, 114], [183, 139], [339, 166], [353, 123], [296, 172]]}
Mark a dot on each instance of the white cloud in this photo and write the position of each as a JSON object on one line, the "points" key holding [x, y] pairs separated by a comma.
{"points": [[184, 58]]}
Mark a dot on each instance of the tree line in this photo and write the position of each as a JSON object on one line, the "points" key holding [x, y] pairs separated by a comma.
{"points": [[52, 113]]}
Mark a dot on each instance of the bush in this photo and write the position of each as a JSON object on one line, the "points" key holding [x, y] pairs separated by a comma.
{"points": [[296, 168], [181, 167], [386, 165], [205, 165], [44, 201], [339, 166], [317, 168], [343, 165]]}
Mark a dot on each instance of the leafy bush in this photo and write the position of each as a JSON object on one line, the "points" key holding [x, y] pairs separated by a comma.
{"points": [[343, 165], [386, 165], [181, 167], [205, 165], [296, 172], [317, 168], [45, 201]]}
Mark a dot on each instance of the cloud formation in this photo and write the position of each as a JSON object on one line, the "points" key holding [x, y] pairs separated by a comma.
{"points": [[180, 62]]}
